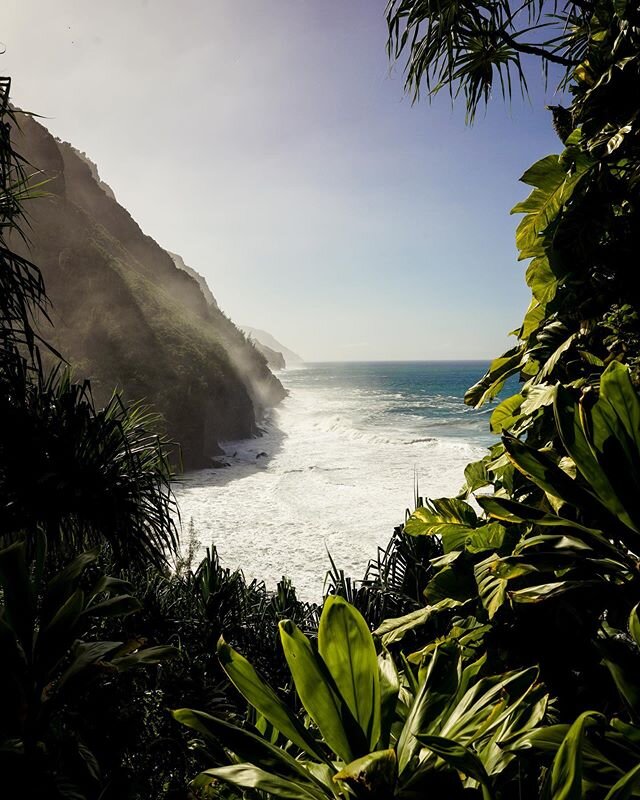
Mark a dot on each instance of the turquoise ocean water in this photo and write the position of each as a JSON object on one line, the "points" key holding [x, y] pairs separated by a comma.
{"points": [[336, 467]]}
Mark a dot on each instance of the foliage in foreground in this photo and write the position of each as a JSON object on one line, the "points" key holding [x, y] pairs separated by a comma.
{"points": [[372, 731], [50, 653], [509, 664]]}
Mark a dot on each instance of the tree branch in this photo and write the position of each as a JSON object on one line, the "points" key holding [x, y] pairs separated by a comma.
{"points": [[534, 50]]}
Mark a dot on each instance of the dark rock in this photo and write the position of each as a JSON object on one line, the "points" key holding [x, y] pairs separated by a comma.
{"points": [[218, 464]]}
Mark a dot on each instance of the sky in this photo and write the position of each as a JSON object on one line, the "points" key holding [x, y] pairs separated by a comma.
{"points": [[271, 144]]}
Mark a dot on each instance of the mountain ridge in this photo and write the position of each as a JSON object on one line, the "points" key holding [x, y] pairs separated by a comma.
{"points": [[269, 341], [126, 316]]}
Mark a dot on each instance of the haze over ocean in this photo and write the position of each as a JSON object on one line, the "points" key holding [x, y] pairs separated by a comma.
{"points": [[335, 468]]}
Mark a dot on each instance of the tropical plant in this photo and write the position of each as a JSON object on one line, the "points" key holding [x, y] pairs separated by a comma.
{"points": [[48, 656], [84, 476], [370, 731], [539, 573], [137, 743], [595, 755]]}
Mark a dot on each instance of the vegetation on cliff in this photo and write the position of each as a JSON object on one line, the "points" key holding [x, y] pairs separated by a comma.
{"points": [[126, 316]]}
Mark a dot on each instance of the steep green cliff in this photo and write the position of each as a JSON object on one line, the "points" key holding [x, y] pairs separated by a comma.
{"points": [[126, 316]]}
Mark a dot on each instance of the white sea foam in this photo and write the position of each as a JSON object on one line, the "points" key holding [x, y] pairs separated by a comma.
{"points": [[325, 476]]}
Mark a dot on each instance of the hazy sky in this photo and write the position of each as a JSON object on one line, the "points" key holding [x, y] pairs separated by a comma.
{"points": [[270, 144]]}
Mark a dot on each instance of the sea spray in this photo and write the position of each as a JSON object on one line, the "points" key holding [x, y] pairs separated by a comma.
{"points": [[335, 468]]}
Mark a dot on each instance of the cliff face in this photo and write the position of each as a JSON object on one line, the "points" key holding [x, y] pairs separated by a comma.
{"points": [[266, 342], [275, 360], [126, 316]]}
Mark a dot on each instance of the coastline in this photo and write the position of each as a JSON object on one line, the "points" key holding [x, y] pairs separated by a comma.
{"points": [[335, 445]]}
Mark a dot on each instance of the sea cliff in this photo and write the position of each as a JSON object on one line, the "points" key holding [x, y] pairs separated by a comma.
{"points": [[126, 315]]}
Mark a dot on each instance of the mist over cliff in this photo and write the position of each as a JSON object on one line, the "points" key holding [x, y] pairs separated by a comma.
{"points": [[266, 342], [126, 314]]}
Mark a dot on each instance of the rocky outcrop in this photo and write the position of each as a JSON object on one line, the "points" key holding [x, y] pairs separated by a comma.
{"points": [[199, 279], [263, 339], [126, 316], [275, 360]]}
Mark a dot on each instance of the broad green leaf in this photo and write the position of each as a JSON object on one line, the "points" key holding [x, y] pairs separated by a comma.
{"points": [[487, 537], [245, 745], [62, 584], [493, 576], [449, 584], [538, 396], [389, 690], [54, 638], [144, 656], [487, 704], [623, 663], [507, 510], [492, 382], [463, 635], [574, 438], [119, 606], [449, 518], [313, 685], [83, 655], [553, 187], [394, 629], [545, 591], [346, 646], [550, 364], [552, 541], [526, 715], [475, 475], [541, 740], [542, 280], [262, 697], [536, 314], [377, 771], [439, 682], [461, 758], [247, 776], [634, 624], [110, 585], [566, 773], [544, 473], [616, 390], [610, 426], [506, 413], [447, 559]]}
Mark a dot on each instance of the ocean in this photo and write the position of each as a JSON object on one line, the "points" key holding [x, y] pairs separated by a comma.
{"points": [[336, 468]]}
